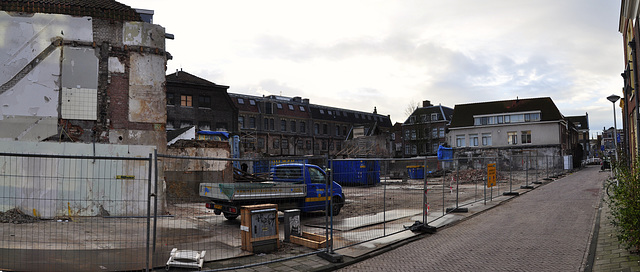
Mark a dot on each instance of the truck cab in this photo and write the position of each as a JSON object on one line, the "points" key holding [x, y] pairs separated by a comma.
{"points": [[316, 180]]}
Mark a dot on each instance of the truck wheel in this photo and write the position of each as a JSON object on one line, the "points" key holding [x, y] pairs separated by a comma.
{"points": [[229, 216], [337, 206]]}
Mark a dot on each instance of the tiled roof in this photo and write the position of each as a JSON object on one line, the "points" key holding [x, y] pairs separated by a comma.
{"points": [[184, 77], [582, 120], [446, 112], [104, 9], [172, 134], [463, 114]]}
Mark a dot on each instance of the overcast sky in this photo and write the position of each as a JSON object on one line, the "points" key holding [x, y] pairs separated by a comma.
{"points": [[385, 54]]}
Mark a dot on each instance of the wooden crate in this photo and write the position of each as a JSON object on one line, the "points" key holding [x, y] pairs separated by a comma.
{"points": [[310, 240]]}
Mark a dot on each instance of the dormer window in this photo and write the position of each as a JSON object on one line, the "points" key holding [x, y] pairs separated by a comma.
{"points": [[240, 101]]}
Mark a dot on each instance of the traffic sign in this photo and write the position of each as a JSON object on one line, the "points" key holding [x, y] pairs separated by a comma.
{"points": [[491, 175]]}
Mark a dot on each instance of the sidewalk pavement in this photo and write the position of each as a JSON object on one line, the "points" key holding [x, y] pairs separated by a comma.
{"points": [[601, 252], [610, 255]]}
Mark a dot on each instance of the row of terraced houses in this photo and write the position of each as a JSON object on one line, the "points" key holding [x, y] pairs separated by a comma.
{"points": [[293, 126]]}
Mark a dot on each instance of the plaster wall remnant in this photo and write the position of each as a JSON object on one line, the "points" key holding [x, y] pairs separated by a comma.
{"points": [[115, 66], [29, 105], [24, 37], [143, 34], [146, 89]]}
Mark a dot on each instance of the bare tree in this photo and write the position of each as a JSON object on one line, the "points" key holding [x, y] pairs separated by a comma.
{"points": [[411, 107]]}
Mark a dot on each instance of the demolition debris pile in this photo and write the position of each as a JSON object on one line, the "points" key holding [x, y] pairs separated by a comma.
{"points": [[16, 216]]}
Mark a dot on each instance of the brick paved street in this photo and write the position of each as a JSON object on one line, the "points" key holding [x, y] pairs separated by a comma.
{"points": [[546, 229]]}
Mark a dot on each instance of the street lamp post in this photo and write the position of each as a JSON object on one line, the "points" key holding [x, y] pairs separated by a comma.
{"points": [[613, 98]]}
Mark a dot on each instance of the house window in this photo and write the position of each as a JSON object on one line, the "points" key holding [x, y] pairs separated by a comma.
{"points": [[407, 150], [507, 119], [338, 146], [260, 143], [285, 144], [266, 124], [241, 121], [185, 124], [268, 108], [337, 130], [324, 145], [423, 118], [283, 125], [186, 101], [434, 147], [526, 136], [240, 101], [204, 126], [407, 134], [316, 129], [170, 99], [412, 119], [512, 137], [344, 130], [434, 133], [329, 112], [292, 125], [414, 149], [325, 129], [204, 102], [221, 126], [303, 127], [473, 139], [413, 134], [486, 139], [272, 124], [252, 122], [308, 145], [276, 143], [500, 119], [460, 141], [434, 117], [517, 118], [532, 117], [441, 132]]}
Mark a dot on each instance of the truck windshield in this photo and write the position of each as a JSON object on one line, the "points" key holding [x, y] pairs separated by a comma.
{"points": [[316, 176]]}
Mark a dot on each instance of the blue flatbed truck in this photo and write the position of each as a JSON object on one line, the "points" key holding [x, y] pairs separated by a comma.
{"points": [[292, 186]]}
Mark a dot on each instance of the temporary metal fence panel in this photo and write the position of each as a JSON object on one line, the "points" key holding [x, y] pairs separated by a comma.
{"points": [[381, 199], [189, 225], [73, 213]]}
